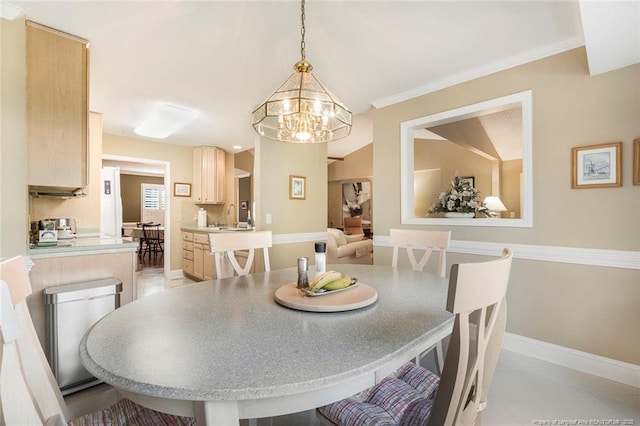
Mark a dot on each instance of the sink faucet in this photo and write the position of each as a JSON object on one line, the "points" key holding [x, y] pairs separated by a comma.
{"points": [[233, 221]]}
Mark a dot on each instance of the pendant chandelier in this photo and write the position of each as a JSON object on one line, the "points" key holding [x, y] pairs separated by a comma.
{"points": [[302, 110]]}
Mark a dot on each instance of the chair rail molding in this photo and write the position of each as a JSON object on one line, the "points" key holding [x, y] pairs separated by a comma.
{"points": [[582, 256]]}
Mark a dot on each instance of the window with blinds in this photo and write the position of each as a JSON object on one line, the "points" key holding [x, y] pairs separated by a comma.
{"points": [[152, 203]]}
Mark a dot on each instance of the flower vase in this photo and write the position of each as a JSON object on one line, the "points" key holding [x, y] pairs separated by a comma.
{"points": [[459, 215]]}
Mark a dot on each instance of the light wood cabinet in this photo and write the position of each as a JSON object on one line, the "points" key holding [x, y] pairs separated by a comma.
{"points": [[209, 175], [197, 260], [57, 108]]}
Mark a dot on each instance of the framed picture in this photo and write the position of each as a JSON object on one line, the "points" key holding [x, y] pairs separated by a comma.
{"points": [[636, 161], [469, 180], [181, 189], [297, 187], [597, 166]]}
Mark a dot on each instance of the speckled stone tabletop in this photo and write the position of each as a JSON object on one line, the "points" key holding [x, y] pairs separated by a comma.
{"points": [[229, 340]]}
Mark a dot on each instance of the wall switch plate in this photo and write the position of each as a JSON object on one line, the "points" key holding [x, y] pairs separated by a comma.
{"points": [[268, 218]]}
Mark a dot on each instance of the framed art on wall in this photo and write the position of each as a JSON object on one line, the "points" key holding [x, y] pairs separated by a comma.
{"points": [[181, 189], [297, 187], [597, 166]]}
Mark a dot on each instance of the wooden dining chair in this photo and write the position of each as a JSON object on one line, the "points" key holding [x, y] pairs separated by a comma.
{"points": [[230, 242], [29, 393], [414, 395], [415, 241], [153, 241]]}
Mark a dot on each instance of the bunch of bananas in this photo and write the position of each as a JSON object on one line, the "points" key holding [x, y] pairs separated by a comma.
{"points": [[330, 280]]}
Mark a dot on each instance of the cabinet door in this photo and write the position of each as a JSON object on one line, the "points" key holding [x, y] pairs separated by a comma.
{"points": [[209, 265], [57, 109], [220, 175], [198, 261], [198, 167]]}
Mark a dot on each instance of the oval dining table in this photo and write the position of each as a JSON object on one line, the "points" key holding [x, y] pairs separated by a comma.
{"points": [[225, 350]]}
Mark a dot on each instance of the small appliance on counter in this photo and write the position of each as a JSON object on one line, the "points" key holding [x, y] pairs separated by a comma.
{"points": [[47, 232]]}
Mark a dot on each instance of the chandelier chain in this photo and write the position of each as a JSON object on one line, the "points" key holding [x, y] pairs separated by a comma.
{"points": [[302, 32]]}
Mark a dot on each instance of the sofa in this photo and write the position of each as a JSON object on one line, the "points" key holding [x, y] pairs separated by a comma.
{"points": [[342, 248]]}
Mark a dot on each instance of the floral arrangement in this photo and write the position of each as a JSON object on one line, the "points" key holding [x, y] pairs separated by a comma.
{"points": [[460, 198]]}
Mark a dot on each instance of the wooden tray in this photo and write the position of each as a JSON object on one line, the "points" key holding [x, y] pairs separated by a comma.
{"points": [[355, 298]]}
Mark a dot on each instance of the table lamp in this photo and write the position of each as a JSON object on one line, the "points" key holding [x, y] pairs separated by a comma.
{"points": [[494, 205]]}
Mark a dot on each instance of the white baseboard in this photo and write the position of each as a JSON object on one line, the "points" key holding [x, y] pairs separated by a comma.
{"points": [[176, 274], [600, 366]]}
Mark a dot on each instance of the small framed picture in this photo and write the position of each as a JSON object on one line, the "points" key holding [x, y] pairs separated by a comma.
{"points": [[181, 189], [468, 180], [597, 166], [244, 205], [636, 161], [297, 187]]}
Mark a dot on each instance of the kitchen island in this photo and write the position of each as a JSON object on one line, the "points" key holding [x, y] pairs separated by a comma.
{"points": [[80, 259]]}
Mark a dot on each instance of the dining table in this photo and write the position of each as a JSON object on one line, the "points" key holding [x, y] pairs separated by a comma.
{"points": [[231, 349]]}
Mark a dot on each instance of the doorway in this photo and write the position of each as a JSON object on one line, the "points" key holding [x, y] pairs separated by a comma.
{"points": [[145, 169]]}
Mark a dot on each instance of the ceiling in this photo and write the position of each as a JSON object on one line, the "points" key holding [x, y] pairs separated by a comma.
{"points": [[222, 58]]}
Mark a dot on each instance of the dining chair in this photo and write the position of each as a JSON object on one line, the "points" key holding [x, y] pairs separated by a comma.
{"points": [[153, 241], [426, 241], [230, 242], [29, 393], [414, 395]]}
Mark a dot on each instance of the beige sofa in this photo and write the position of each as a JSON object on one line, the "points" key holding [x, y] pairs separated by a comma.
{"points": [[343, 248]]}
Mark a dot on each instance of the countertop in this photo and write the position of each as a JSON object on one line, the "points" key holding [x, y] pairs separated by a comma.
{"points": [[84, 245], [194, 228]]}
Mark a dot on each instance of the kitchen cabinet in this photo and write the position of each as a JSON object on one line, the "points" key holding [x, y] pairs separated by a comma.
{"points": [[57, 108], [197, 260], [209, 175]]}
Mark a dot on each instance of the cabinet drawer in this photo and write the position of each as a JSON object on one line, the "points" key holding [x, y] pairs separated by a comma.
{"points": [[201, 238], [187, 266], [187, 236], [187, 254], [186, 245]]}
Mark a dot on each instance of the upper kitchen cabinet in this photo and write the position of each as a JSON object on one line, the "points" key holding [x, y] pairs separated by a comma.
{"points": [[57, 109], [208, 175]]}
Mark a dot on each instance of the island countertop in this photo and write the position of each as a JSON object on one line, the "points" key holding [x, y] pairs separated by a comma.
{"points": [[212, 229], [84, 245]]}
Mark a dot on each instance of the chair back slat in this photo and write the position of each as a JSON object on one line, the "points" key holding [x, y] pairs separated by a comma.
{"points": [[414, 240], [36, 374], [230, 242], [477, 297]]}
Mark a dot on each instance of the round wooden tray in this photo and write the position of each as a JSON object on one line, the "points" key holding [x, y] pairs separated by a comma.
{"points": [[357, 297]]}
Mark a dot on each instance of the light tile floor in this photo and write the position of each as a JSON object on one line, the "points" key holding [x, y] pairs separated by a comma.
{"points": [[524, 391]]}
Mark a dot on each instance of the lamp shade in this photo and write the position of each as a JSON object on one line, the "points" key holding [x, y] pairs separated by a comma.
{"points": [[494, 204]]}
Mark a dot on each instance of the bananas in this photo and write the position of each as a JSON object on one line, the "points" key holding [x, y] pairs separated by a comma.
{"points": [[330, 280]]}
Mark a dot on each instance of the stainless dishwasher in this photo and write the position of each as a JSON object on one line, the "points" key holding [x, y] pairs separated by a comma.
{"points": [[71, 310]]}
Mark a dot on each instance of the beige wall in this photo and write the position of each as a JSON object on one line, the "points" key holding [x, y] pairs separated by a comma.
{"points": [[180, 159], [588, 308], [131, 194], [13, 135], [275, 161], [86, 210]]}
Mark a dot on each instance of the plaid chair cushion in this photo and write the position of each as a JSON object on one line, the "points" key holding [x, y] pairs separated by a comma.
{"points": [[127, 412], [404, 398], [423, 380], [417, 413], [351, 412]]}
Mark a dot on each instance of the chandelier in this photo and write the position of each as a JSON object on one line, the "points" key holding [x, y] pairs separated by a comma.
{"points": [[302, 110]]}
